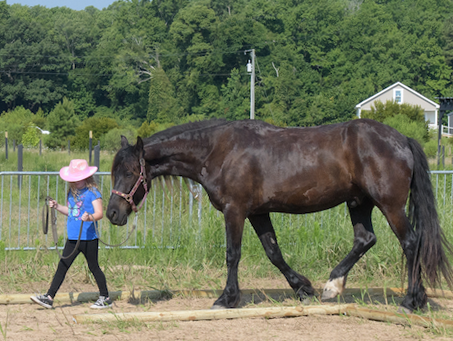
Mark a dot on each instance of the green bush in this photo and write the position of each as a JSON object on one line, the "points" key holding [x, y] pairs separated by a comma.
{"points": [[381, 111], [31, 137], [430, 148], [385, 113], [99, 126], [112, 140], [15, 122], [408, 127], [147, 129]]}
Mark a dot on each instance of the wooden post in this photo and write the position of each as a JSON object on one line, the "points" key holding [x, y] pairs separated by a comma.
{"points": [[96, 160], [90, 147], [40, 146], [14, 145], [6, 145], [209, 314], [20, 167]]}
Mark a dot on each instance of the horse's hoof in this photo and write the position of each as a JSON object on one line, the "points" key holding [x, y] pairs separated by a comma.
{"points": [[217, 307], [404, 310], [333, 288], [328, 294], [307, 300]]}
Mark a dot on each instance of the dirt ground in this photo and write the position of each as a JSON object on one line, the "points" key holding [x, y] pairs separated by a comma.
{"points": [[20, 322]]}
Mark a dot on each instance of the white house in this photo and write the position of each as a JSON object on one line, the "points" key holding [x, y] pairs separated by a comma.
{"points": [[401, 93]]}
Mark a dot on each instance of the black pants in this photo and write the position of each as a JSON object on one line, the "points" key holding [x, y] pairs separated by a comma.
{"points": [[89, 248]]}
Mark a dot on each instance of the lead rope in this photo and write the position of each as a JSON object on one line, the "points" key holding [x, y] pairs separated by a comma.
{"points": [[96, 227], [53, 220], [53, 223]]}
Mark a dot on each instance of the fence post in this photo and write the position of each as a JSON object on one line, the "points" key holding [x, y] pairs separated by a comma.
{"points": [[6, 144], [443, 157], [40, 147], [14, 145], [90, 147], [96, 160], [20, 163]]}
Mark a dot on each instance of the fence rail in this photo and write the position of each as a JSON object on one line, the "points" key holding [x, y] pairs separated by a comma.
{"points": [[171, 211]]}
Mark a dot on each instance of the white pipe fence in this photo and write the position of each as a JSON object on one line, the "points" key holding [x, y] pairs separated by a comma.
{"points": [[170, 211]]}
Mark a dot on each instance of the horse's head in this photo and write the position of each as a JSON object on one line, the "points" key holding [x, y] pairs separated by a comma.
{"points": [[129, 179]]}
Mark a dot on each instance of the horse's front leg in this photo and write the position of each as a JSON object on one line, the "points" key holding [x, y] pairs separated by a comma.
{"points": [[234, 225]]}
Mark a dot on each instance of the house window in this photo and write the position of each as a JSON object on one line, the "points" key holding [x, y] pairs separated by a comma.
{"points": [[398, 96]]}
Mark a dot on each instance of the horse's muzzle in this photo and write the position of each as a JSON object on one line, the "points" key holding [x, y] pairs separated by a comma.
{"points": [[116, 216]]}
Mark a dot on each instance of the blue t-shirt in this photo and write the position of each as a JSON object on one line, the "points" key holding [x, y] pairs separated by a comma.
{"points": [[77, 209]]}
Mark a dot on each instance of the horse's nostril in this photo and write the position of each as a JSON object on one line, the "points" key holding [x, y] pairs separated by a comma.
{"points": [[111, 214]]}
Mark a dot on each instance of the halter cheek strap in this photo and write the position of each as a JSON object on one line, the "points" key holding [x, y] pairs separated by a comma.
{"points": [[141, 180]]}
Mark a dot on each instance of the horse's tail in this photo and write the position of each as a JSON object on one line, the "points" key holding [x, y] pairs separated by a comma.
{"points": [[432, 246]]}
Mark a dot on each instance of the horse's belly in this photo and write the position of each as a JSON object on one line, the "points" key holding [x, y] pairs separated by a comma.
{"points": [[313, 200]]}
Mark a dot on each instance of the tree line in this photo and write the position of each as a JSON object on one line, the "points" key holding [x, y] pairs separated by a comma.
{"points": [[139, 65]]}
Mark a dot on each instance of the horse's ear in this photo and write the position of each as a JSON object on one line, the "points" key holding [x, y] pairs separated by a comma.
{"points": [[139, 145], [124, 141]]}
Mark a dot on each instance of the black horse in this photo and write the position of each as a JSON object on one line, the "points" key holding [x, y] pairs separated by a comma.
{"points": [[250, 168]]}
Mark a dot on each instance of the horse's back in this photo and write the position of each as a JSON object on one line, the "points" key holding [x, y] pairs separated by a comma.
{"points": [[309, 169]]}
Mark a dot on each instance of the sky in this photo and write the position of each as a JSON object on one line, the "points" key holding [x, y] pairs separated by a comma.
{"points": [[73, 4]]}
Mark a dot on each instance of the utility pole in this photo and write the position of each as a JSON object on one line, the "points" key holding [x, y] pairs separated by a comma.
{"points": [[251, 69]]}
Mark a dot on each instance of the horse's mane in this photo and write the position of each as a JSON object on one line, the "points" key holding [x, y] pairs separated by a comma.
{"points": [[183, 128]]}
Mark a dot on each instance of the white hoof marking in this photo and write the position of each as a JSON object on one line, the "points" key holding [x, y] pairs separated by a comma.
{"points": [[334, 287]]}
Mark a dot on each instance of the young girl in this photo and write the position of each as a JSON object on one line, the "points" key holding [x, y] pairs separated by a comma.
{"points": [[84, 204]]}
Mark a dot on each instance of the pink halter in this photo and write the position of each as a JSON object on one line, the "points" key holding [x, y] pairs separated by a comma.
{"points": [[141, 180]]}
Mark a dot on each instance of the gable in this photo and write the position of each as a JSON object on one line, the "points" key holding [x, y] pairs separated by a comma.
{"points": [[402, 94]]}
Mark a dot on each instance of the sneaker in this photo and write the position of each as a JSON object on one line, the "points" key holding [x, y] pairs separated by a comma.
{"points": [[102, 303], [43, 300]]}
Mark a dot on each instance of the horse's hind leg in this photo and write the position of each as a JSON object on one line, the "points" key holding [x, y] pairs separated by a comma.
{"points": [[265, 231], [364, 239], [416, 295]]}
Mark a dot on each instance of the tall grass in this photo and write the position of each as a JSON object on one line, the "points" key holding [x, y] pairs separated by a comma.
{"points": [[174, 247]]}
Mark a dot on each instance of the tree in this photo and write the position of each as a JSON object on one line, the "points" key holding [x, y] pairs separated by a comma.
{"points": [[98, 126], [62, 124], [162, 106], [33, 74], [315, 60], [235, 104], [194, 32]]}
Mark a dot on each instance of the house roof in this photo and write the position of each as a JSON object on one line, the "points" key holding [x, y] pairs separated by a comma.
{"points": [[369, 99]]}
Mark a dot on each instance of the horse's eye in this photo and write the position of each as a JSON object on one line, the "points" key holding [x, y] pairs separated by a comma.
{"points": [[129, 175]]}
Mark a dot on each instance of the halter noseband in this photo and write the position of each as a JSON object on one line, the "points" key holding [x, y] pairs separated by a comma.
{"points": [[141, 180]]}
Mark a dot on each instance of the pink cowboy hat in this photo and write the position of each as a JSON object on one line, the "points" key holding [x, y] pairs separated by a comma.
{"points": [[78, 170]]}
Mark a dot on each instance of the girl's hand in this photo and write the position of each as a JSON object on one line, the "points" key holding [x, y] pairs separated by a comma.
{"points": [[86, 216], [53, 204]]}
